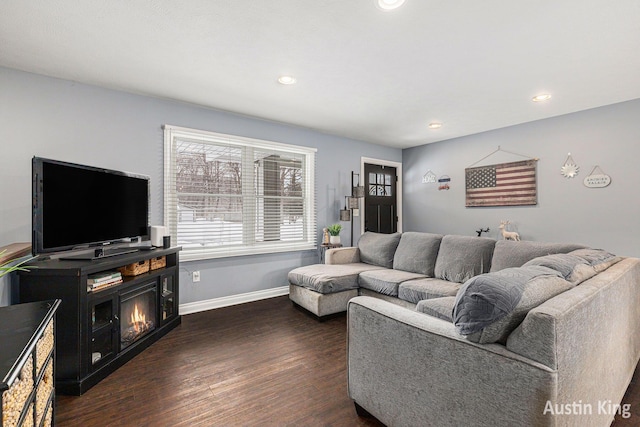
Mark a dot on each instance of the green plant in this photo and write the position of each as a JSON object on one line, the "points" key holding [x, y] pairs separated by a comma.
{"points": [[334, 229], [5, 268]]}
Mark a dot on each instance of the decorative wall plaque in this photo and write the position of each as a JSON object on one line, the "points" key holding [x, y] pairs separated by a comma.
{"points": [[598, 180], [504, 184], [443, 182], [569, 169], [429, 177]]}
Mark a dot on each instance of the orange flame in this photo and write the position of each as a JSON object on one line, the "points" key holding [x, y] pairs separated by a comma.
{"points": [[138, 319]]}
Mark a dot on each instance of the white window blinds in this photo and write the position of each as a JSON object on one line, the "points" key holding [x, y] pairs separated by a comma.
{"points": [[227, 195]]}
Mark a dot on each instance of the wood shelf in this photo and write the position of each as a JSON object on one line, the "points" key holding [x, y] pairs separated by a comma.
{"points": [[14, 250]]}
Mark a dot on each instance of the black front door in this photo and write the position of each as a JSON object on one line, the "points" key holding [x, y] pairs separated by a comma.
{"points": [[380, 205]]}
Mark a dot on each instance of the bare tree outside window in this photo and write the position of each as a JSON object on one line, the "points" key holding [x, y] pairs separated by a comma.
{"points": [[212, 200], [228, 195]]}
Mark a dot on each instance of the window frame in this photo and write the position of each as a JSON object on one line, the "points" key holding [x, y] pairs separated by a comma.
{"points": [[174, 133]]}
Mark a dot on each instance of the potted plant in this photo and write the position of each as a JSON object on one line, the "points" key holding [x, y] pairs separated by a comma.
{"points": [[6, 268], [334, 232]]}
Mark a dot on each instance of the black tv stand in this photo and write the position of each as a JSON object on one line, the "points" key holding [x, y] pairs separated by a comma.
{"points": [[93, 333], [99, 254]]}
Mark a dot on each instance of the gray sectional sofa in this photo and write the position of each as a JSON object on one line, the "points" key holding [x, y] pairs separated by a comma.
{"points": [[456, 330]]}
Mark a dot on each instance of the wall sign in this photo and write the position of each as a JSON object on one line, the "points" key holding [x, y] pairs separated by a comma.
{"points": [[598, 180], [429, 177], [444, 182]]}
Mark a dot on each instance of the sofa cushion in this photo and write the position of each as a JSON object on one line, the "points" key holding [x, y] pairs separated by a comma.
{"points": [[572, 267], [490, 306], [417, 253], [599, 259], [385, 281], [508, 253], [442, 308], [562, 263], [421, 289], [462, 257], [378, 249], [327, 279]]}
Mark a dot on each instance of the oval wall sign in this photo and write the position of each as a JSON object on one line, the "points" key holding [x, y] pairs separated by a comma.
{"points": [[597, 181]]}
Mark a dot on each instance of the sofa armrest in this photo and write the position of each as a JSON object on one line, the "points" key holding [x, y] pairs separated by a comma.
{"points": [[590, 332], [348, 255], [407, 368]]}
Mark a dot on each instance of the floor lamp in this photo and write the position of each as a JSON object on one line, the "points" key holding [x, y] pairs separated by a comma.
{"points": [[352, 202]]}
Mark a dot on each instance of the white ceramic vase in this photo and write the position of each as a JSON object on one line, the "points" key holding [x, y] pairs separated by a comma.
{"points": [[334, 240]]}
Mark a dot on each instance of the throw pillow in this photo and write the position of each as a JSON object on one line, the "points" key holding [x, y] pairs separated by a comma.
{"points": [[490, 306]]}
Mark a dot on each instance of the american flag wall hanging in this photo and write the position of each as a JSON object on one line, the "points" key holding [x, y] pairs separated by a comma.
{"points": [[505, 184]]}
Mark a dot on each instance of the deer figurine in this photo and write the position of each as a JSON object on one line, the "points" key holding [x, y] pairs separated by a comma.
{"points": [[508, 235], [482, 230]]}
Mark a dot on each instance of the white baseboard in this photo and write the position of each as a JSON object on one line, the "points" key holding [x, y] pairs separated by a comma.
{"points": [[210, 304]]}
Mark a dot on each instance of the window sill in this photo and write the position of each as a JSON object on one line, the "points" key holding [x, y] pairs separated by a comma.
{"points": [[204, 254]]}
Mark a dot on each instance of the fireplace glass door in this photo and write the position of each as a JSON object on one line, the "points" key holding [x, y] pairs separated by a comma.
{"points": [[138, 314], [168, 300]]}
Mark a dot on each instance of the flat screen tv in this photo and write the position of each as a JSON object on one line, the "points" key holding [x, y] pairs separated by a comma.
{"points": [[77, 206]]}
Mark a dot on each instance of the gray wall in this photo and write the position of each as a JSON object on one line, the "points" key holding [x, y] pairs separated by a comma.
{"points": [[74, 122], [567, 211]]}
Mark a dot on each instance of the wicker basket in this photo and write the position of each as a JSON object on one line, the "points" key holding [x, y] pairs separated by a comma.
{"points": [[158, 262], [135, 268]]}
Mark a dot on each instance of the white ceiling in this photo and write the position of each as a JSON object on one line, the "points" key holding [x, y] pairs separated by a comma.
{"points": [[362, 73]]}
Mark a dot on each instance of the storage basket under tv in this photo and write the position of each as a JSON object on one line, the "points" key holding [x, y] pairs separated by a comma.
{"points": [[135, 269], [158, 262]]}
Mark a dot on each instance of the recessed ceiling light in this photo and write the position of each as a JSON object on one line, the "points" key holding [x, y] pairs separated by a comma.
{"points": [[389, 4], [542, 97], [286, 80], [435, 125]]}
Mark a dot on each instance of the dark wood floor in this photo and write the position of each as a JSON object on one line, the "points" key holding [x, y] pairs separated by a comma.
{"points": [[259, 364]]}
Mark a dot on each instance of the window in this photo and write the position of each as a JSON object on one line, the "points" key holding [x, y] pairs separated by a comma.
{"points": [[226, 195], [380, 184]]}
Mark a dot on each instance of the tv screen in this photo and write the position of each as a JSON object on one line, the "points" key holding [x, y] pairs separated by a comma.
{"points": [[77, 206]]}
